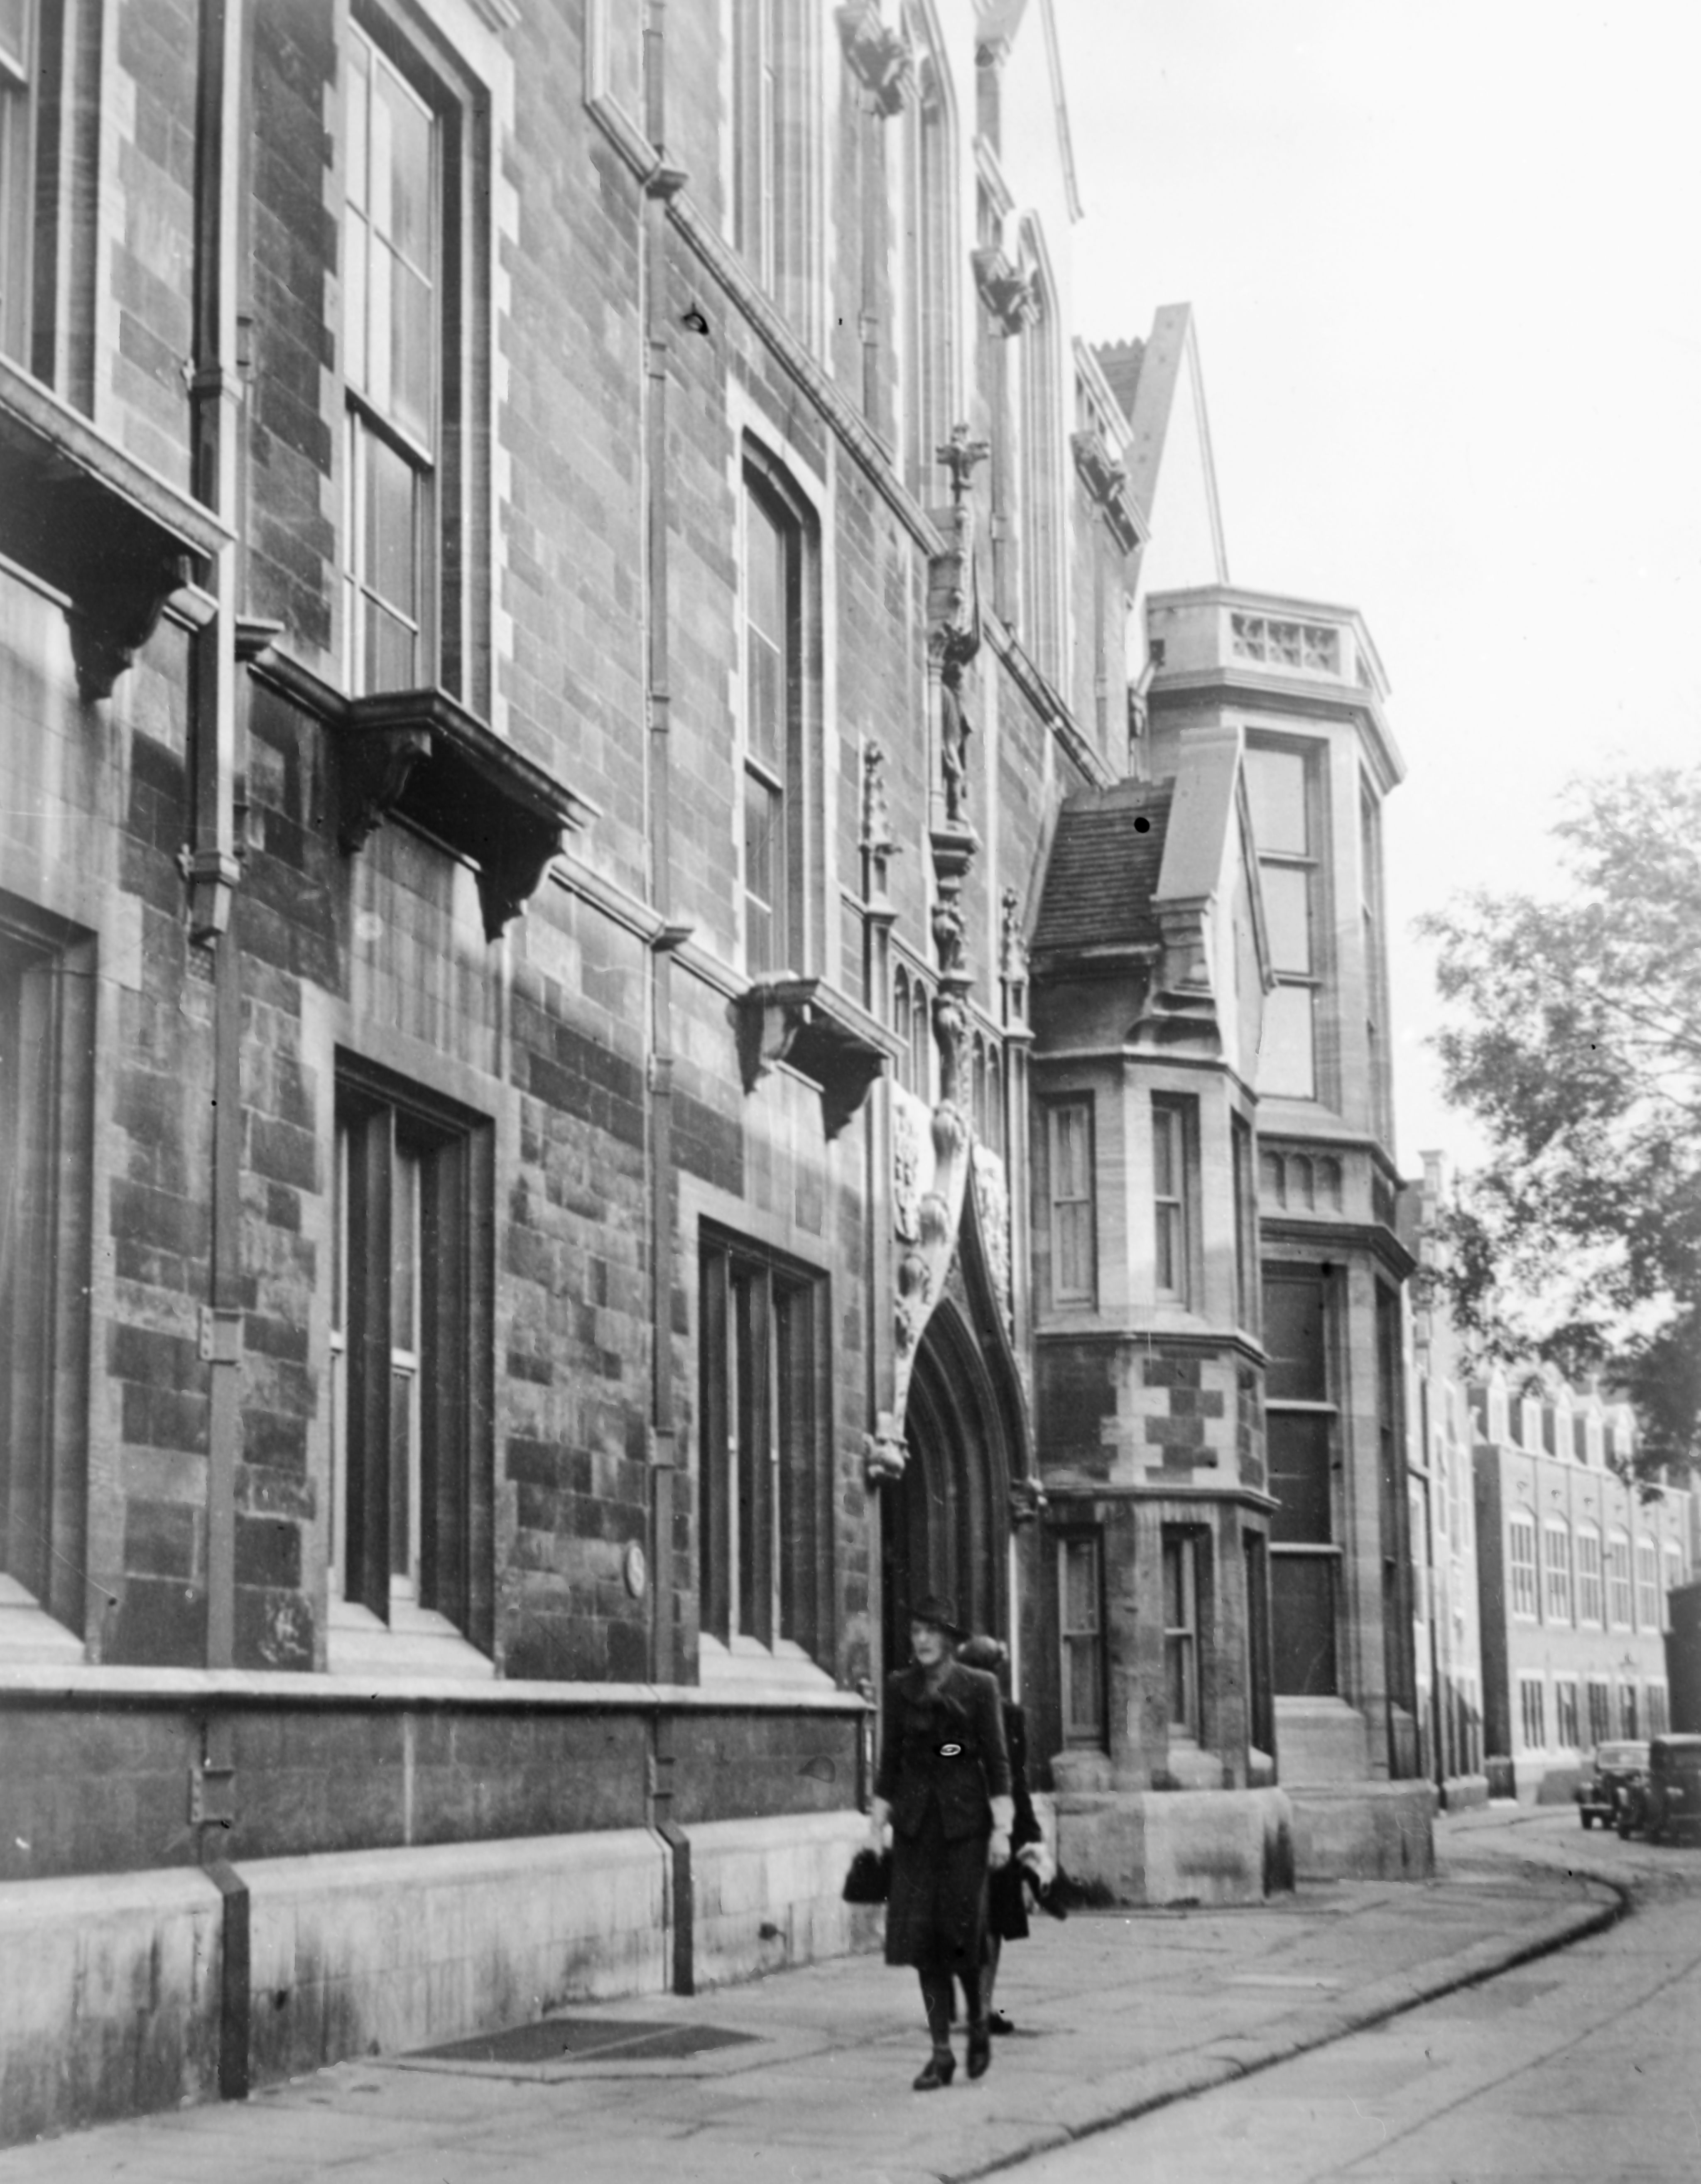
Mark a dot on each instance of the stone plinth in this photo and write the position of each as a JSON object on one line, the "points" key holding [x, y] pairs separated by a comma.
{"points": [[1156, 1847], [1363, 1830]]}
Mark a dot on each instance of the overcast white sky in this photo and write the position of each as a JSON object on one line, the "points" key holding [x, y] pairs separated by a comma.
{"points": [[1443, 260]]}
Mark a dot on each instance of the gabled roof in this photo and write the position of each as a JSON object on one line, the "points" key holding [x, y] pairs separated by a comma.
{"points": [[1159, 383], [1103, 871]]}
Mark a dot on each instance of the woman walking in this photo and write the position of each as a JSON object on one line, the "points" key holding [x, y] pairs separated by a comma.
{"points": [[1006, 1907], [944, 1785]]}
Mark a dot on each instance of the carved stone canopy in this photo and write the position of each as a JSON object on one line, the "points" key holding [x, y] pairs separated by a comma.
{"points": [[95, 524], [825, 1037]]}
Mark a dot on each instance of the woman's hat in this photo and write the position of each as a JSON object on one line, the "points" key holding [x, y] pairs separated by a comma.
{"points": [[936, 1608]]}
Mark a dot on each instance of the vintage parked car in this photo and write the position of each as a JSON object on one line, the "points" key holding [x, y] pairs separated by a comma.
{"points": [[1668, 1798], [1601, 1795]]}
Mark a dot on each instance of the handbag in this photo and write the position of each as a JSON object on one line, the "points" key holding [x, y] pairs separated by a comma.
{"points": [[870, 1878]]}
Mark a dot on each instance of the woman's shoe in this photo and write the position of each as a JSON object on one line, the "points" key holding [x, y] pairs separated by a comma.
{"points": [[996, 2021], [979, 2050], [939, 2069]]}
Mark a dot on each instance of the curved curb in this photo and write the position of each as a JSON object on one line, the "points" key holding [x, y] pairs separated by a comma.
{"points": [[1127, 2096]]}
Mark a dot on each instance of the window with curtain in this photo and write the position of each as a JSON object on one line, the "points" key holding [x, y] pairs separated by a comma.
{"points": [[1172, 1190], [1069, 1180], [1081, 1634]]}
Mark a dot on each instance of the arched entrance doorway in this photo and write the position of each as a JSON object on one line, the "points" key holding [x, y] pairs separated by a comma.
{"points": [[946, 1522]]}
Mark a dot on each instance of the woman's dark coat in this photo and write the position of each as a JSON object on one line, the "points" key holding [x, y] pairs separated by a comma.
{"points": [[943, 1759]]}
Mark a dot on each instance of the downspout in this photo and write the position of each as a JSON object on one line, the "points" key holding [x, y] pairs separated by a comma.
{"points": [[213, 871], [659, 186], [1433, 1601]]}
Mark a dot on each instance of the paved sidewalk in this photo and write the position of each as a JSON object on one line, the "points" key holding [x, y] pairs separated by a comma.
{"points": [[1116, 2013]]}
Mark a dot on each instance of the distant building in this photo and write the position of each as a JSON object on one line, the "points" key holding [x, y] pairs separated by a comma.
{"points": [[1446, 1633], [1575, 1567]]}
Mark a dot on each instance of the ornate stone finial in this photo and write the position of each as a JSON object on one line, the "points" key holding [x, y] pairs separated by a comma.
{"points": [[877, 53], [959, 454]]}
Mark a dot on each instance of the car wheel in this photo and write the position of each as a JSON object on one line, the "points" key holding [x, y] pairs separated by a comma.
{"points": [[1587, 1818], [1626, 1827]]}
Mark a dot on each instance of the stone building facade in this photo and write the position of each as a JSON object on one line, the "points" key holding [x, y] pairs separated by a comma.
{"points": [[569, 607], [1575, 1565]]}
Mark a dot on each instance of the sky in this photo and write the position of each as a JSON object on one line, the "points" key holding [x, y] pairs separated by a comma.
{"points": [[1444, 267]]}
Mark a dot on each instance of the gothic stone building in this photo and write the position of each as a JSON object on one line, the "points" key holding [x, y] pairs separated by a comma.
{"points": [[568, 609]]}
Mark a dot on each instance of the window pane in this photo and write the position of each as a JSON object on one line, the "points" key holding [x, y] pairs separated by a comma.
{"points": [[405, 131], [1275, 787], [1302, 1625], [1286, 1062], [391, 540], [1081, 1586], [390, 652], [765, 728], [356, 247], [1169, 1253], [1166, 1166], [411, 352], [763, 812], [1069, 1149], [765, 573], [1074, 1251], [1287, 915], [360, 93], [1294, 1333], [1299, 1476]]}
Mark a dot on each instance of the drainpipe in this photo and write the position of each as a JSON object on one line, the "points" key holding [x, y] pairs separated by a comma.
{"points": [[213, 871], [660, 184]]}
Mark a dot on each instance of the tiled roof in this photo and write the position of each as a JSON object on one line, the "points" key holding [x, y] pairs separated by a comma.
{"points": [[1120, 362], [1103, 868]]}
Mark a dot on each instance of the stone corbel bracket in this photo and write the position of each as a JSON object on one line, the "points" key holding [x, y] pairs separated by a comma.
{"points": [[421, 756], [112, 537], [826, 1037], [1006, 292], [1107, 482], [878, 54]]}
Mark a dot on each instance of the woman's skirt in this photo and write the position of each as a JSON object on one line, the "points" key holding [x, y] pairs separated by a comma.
{"points": [[936, 1910]]}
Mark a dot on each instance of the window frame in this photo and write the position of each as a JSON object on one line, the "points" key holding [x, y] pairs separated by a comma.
{"points": [[1043, 607], [48, 1033], [765, 1530], [774, 198], [1532, 1713], [385, 1126], [1081, 1203], [1523, 1588], [1649, 1604], [1079, 1640], [1180, 1548], [20, 94], [1175, 1121], [1316, 980], [931, 301], [1620, 1581], [1558, 1589], [1566, 1714], [792, 776], [1590, 1568]]}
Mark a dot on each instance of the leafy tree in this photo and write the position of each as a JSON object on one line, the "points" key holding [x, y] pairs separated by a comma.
{"points": [[1577, 1047]]}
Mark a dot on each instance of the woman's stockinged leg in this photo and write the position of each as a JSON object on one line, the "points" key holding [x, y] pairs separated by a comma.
{"points": [[941, 2065], [979, 2032]]}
